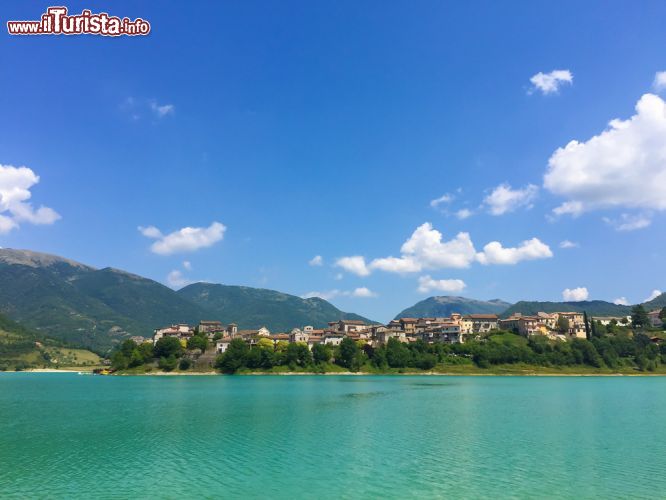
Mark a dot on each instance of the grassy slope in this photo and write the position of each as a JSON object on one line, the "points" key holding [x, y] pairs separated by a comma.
{"points": [[18, 347]]}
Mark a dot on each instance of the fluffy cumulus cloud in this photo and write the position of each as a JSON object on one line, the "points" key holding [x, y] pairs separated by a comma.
{"points": [[426, 249], [655, 293], [427, 284], [622, 167], [568, 244], [621, 301], [354, 264], [495, 253], [659, 82], [15, 209], [550, 83], [360, 292], [176, 279], [575, 294], [504, 199], [187, 239], [317, 260]]}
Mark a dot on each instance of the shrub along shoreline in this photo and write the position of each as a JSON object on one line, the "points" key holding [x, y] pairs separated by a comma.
{"points": [[613, 351]]}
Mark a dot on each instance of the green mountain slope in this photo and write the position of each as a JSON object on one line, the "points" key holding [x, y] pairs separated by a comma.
{"points": [[656, 303], [63, 299], [257, 307], [592, 307], [21, 348], [446, 305], [97, 308]]}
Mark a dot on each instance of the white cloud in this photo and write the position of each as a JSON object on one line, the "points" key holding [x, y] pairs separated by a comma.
{"points": [[15, 185], [446, 198], [549, 83], [624, 166], [425, 247], [568, 244], [361, 292], [427, 284], [162, 110], [659, 82], [628, 222], [504, 199], [495, 253], [655, 293], [464, 213], [187, 265], [7, 224], [176, 280], [187, 239], [575, 294], [425, 250], [621, 301], [317, 260], [354, 264], [150, 231], [400, 265]]}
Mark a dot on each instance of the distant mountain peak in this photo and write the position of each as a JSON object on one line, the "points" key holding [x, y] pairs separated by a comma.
{"points": [[445, 305], [29, 258]]}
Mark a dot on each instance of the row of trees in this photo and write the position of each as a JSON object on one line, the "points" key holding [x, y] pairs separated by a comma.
{"points": [[168, 352], [612, 351]]}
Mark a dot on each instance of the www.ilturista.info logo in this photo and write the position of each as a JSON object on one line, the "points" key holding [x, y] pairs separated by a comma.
{"points": [[56, 21]]}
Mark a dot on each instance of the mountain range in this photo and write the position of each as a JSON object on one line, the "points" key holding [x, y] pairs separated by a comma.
{"points": [[96, 308], [443, 306]]}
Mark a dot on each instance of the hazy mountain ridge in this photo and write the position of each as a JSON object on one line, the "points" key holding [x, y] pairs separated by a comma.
{"points": [[592, 307], [441, 306]]}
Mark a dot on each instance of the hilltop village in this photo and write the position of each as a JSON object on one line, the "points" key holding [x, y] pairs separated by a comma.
{"points": [[557, 342], [455, 329]]}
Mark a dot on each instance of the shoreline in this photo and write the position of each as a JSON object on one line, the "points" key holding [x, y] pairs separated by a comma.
{"points": [[346, 374]]}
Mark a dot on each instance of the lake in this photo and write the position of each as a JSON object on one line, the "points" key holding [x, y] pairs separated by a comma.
{"points": [[71, 436]]}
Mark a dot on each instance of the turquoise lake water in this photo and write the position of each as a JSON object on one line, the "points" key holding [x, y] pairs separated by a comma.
{"points": [[70, 436]]}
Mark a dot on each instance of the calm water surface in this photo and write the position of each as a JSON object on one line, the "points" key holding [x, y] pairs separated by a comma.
{"points": [[70, 436]]}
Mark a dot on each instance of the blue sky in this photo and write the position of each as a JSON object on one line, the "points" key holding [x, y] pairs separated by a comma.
{"points": [[327, 129]]}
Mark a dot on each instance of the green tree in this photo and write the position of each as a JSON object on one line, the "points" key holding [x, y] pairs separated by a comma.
{"points": [[168, 364], [349, 352], [168, 346], [298, 354], [562, 324], [397, 354], [321, 353], [136, 359], [146, 351], [588, 332], [234, 358], [197, 342], [119, 361], [127, 347], [185, 364], [639, 317], [662, 315], [265, 343]]}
